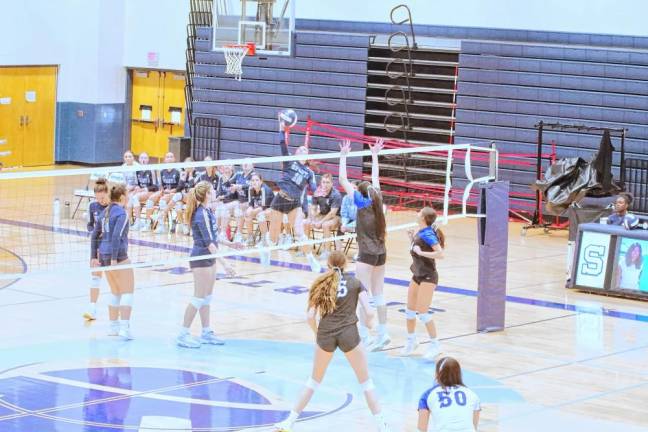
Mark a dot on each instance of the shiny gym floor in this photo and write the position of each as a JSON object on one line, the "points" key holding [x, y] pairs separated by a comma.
{"points": [[566, 361]]}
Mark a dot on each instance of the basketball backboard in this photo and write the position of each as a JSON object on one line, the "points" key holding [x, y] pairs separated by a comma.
{"points": [[269, 24]]}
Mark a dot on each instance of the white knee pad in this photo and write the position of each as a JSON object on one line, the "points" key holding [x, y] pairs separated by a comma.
{"points": [[312, 384], [285, 218], [410, 314], [425, 318], [115, 300], [180, 206], [163, 205], [208, 300], [177, 197], [197, 302], [368, 385], [379, 300], [149, 204], [95, 282], [261, 217], [127, 300]]}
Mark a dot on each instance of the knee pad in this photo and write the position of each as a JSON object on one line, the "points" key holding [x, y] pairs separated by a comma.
{"points": [[115, 300], [149, 204], [285, 218], [312, 384], [177, 197], [197, 302], [425, 318], [95, 282], [368, 385], [379, 300], [163, 205], [261, 217], [127, 300], [180, 206], [410, 314], [208, 300]]}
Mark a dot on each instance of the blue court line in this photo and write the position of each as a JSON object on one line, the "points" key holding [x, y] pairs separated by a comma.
{"points": [[613, 313]]}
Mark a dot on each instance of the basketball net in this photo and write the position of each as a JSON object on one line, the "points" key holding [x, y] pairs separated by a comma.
{"points": [[234, 55]]}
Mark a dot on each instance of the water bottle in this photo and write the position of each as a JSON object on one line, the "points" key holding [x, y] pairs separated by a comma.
{"points": [[66, 210], [56, 212]]}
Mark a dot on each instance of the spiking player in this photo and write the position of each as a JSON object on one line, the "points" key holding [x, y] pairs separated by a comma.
{"points": [[109, 246], [334, 297], [295, 179], [427, 246], [94, 217], [371, 233]]}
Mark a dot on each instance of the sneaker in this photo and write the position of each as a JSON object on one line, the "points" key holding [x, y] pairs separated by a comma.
{"points": [[432, 352], [284, 426], [380, 343], [161, 228], [210, 338], [315, 265], [410, 346], [114, 330], [264, 257], [324, 256], [184, 229], [187, 341], [383, 427], [125, 334], [90, 316], [145, 226]]}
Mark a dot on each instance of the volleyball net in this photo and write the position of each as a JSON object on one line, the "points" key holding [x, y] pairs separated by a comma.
{"points": [[44, 214]]}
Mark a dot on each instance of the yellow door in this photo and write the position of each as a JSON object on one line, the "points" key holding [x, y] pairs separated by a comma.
{"points": [[40, 112], [156, 96], [27, 115]]}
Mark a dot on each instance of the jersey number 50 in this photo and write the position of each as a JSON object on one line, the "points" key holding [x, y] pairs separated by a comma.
{"points": [[445, 400]]}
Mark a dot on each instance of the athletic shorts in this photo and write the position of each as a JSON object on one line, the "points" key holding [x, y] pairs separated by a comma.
{"points": [[281, 202], [373, 260], [347, 338], [208, 262], [428, 278], [104, 260]]}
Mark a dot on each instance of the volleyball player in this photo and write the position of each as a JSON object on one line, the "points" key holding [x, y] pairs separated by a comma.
{"points": [[94, 214], [227, 197], [168, 196], [189, 177], [295, 179], [333, 298], [206, 241], [243, 179], [126, 177], [324, 213], [452, 406], [260, 198], [109, 246], [371, 233], [427, 246], [147, 185]]}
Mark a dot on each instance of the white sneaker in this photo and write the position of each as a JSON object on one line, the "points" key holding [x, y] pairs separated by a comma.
{"points": [[186, 341], [383, 427], [145, 226], [210, 338], [432, 352], [90, 315], [264, 257], [114, 330], [284, 426], [380, 343], [161, 228], [125, 334], [409, 348], [315, 265]]}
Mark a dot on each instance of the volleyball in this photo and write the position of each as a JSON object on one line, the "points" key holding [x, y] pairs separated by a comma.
{"points": [[288, 117]]}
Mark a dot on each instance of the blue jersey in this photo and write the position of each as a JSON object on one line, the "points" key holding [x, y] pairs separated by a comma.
{"points": [[94, 210], [170, 179], [262, 198], [146, 180], [189, 181], [223, 188], [110, 235], [243, 180], [426, 239], [296, 175], [204, 231], [628, 221]]}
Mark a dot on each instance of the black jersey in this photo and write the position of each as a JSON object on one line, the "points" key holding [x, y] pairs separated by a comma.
{"points": [[331, 201], [263, 198], [296, 175], [146, 180], [426, 239], [244, 182], [188, 181], [170, 179], [223, 188]]}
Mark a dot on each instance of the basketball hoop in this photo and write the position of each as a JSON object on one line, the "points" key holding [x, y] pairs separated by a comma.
{"points": [[234, 55]]}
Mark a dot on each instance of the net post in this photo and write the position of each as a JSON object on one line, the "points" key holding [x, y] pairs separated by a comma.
{"points": [[493, 159], [492, 235]]}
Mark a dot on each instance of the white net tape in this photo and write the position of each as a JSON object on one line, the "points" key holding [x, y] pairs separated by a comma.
{"points": [[234, 56]]}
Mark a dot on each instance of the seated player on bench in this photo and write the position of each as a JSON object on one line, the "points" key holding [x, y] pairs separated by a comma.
{"points": [[324, 213], [260, 198]]}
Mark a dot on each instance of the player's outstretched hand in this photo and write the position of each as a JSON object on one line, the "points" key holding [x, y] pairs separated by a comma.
{"points": [[345, 147], [377, 146]]}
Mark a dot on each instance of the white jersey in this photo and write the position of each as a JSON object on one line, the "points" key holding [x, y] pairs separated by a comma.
{"points": [[629, 275], [451, 409]]}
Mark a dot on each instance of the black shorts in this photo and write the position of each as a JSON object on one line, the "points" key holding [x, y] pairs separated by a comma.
{"points": [[104, 260], [428, 278], [373, 260], [281, 202], [208, 262], [347, 338]]}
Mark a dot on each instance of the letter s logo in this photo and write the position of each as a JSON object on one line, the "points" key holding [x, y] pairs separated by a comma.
{"points": [[593, 257]]}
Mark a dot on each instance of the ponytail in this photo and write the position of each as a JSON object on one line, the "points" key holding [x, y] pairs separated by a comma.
{"points": [[197, 196], [322, 296]]}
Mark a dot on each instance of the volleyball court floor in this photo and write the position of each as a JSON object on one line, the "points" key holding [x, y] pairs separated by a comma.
{"points": [[566, 360]]}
